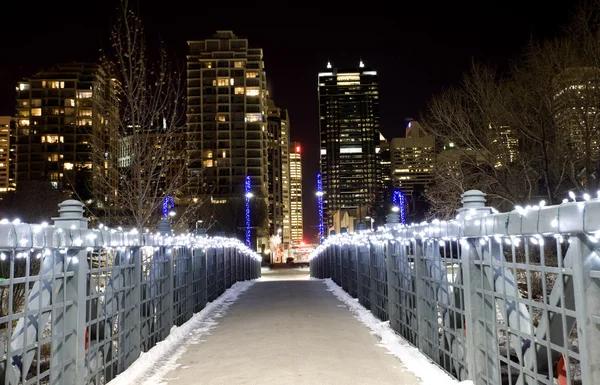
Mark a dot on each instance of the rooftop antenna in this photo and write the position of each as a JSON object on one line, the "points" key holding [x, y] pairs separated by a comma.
{"points": [[361, 64], [328, 64]]}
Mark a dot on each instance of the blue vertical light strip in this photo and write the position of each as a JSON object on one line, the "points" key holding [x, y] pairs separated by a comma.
{"points": [[167, 206], [320, 200], [248, 185], [399, 201]]}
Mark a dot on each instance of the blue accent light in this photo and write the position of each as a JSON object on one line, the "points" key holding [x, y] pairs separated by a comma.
{"points": [[399, 201], [248, 195], [320, 199], [167, 205]]}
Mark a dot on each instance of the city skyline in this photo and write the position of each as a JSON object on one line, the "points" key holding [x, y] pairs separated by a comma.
{"points": [[412, 65]]}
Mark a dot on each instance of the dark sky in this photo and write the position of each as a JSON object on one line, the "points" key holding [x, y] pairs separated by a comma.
{"points": [[417, 49]]}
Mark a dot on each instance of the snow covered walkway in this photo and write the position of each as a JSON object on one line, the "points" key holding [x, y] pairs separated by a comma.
{"points": [[285, 329]]}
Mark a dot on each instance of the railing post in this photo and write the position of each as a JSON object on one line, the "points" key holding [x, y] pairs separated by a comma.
{"points": [[390, 280], [73, 347], [474, 206]]}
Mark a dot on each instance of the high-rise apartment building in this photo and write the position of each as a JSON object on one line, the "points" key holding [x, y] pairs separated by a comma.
{"points": [[227, 115], [296, 192], [413, 160], [64, 128], [7, 128], [384, 180], [504, 144], [279, 170], [576, 99], [349, 133], [227, 119]]}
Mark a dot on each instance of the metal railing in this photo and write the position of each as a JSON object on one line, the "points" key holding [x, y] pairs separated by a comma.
{"points": [[79, 306], [496, 298]]}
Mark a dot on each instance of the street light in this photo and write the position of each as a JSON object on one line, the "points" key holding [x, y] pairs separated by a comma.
{"points": [[371, 220]]}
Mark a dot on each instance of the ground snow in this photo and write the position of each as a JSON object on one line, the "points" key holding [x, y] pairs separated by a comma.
{"points": [[151, 367], [411, 357]]}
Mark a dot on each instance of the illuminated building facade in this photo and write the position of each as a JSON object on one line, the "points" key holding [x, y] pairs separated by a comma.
{"points": [[384, 180], [227, 115], [296, 192], [7, 128], [504, 143], [64, 128], [227, 125], [279, 173], [413, 160], [349, 135]]}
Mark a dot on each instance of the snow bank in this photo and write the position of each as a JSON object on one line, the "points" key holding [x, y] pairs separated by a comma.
{"points": [[411, 357], [152, 366]]}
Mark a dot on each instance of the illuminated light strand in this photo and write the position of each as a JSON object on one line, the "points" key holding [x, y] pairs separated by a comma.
{"points": [[399, 201], [248, 185], [320, 201], [167, 205]]}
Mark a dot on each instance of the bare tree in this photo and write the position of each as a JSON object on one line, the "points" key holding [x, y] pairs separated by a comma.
{"points": [[147, 146], [534, 133]]}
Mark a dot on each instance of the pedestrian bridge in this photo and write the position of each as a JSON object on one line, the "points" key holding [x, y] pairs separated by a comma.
{"points": [[493, 298]]}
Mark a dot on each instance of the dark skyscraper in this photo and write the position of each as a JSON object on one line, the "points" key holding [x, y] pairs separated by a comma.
{"points": [[349, 131]]}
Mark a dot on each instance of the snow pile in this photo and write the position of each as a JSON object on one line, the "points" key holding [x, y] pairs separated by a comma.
{"points": [[411, 357], [152, 366]]}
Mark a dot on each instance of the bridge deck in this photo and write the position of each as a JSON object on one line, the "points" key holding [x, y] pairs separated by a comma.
{"points": [[288, 331]]}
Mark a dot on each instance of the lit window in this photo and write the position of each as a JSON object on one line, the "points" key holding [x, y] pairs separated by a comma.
{"points": [[36, 112], [23, 86], [207, 163], [254, 117], [239, 90], [238, 64], [52, 139], [208, 154], [222, 118], [251, 74], [86, 112], [36, 102], [208, 64], [224, 154], [84, 122], [57, 84], [54, 111], [252, 91], [24, 122], [24, 113], [223, 82], [84, 94], [53, 158]]}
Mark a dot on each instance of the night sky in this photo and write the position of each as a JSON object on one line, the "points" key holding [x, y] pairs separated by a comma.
{"points": [[418, 50]]}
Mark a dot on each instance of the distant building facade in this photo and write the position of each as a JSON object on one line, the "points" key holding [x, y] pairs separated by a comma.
{"points": [[349, 134], [296, 192], [227, 122], [7, 157], [413, 160], [64, 129], [279, 173]]}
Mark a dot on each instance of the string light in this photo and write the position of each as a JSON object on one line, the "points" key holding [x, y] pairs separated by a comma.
{"points": [[399, 201], [320, 202], [167, 205], [248, 185]]}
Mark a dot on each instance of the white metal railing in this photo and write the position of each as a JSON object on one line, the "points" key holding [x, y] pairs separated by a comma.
{"points": [[80, 305], [497, 298]]}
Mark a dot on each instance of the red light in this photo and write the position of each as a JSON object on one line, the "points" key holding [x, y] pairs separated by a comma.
{"points": [[297, 148]]}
